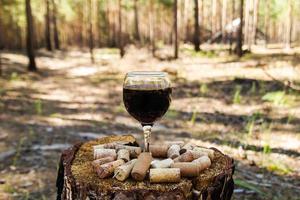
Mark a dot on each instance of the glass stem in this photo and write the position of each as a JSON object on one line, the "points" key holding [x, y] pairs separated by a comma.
{"points": [[147, 135]]}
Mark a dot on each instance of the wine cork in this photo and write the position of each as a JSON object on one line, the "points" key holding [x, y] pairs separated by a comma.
{"points": [[198, 154], [173, 151], [159, 151], [164, 175], [111, 145], [133, 151], [124, 155], [170, 143], [186, 147], [203, 162], [102, 161], [141, 166], [122, 172], [102, 153], [211, 153], [187, 169], [107, 169], [166, 163], [186, 157]]}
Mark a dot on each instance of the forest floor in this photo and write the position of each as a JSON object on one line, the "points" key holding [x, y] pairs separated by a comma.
{"points": [[240, 106]]}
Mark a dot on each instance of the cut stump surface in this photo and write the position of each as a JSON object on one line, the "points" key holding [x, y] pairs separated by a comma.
{"points": [[77, 180]]}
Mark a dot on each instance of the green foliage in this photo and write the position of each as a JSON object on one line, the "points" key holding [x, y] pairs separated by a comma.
{"points": [[279, 168], [237, 94], [246, 185], [173, 114], [193, 118], [14, 76], [251, 122], [18, 150], [253, 88], [203, 88], [38, 105], [278, 98], [267, 149], [167, 3]]}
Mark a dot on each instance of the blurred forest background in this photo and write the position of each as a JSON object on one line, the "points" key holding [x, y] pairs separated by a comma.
{"points": [[234, 66]]}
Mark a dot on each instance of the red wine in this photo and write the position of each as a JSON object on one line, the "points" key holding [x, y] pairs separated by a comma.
{"points": [[146, 105]]}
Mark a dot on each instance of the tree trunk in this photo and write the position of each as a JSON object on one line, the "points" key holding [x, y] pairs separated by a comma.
{"points": [[289, 25], [239, 42], [232, 31], [196, 27], [121, 46], [224, 20], [1, 42], [152, 27], [77, 180], [175, 30], [266, 22], [136, 22], [55, 30], [29, 43], [91, 35], [255, 20], [48, 27]]}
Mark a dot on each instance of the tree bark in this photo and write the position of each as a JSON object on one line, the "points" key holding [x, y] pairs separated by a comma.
{"points": [[121, 45], [136, 22], [255, 20], [55, 30], [77, 180], [91, 35], [224, 20], [239, 42], [232, 31], [175, 30], [152, 27], [48, 27], [289, 25], [29, 43], [266, 22], [196, 27], [1, 42]]}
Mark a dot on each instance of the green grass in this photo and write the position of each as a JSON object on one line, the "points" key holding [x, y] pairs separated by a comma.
{"points": [[249, 186], [193, 118], [237, 98], [172, 114], [14, 76], [203, 89], [38, 106]]}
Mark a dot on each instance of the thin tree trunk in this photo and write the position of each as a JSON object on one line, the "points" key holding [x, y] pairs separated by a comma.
{"points": [[175, 30], [91, 36], [196, 27], [1, 43], [30, 45], [255, 20], [136, 21], [213, 18], [224, 20], [152, 27], [232, 31], [266, 23], [289, 25], [48, 27], [239, 45], [122, 52], [55, 30]]}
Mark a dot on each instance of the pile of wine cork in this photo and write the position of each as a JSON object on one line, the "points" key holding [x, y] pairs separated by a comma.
{"points": [[165, 163]]}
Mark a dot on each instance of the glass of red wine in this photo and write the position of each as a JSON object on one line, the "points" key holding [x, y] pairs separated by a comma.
{"points": [[147, 97]]}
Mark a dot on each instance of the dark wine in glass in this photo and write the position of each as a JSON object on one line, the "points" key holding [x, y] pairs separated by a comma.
{"points": [[147, 97]]}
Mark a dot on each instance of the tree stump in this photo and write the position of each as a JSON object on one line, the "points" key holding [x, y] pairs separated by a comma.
{"points": [[77, 180]]}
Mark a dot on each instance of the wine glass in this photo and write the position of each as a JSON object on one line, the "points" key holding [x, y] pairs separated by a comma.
{"points": [[147, 97]]}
